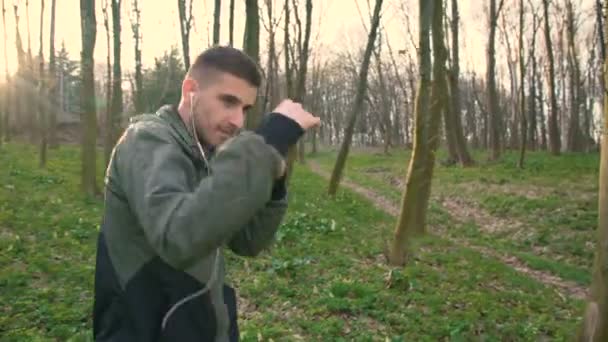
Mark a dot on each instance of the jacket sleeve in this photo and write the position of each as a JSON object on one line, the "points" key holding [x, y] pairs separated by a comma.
{"points": [[259, 233], [185, 221]]}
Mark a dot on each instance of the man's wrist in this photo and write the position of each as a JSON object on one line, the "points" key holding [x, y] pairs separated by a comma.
{"points": [[280, 132]]}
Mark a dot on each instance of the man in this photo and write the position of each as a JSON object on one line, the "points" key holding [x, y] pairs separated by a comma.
{"points": [[181, 185]]}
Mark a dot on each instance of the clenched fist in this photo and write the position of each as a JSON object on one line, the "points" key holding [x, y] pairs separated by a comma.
{"points": [[294, 111]]}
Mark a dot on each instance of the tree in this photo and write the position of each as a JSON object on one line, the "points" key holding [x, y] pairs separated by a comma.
{"points": [[53, 89], [137, 36], [357, 106], [216, 22], [412, 219], [231, 24], [595, 324], [116, 112], [41, 86], [575, 136], [162, 82], [19, 91], [88, 26], [185, 24], [304, 52], [251, 46], [4, 121], [554, 136], [493, 108], [108, 90], [522, 96], [454, 113]]}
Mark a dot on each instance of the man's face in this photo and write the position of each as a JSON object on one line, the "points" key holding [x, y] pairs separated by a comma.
{"points": [[219, 107]]}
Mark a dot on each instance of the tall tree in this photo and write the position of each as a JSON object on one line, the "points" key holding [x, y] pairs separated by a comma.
{"points": [[251, 45], [304, 52], [493, 107], [108, 114], [88, 26], [575, 136], [185, 24], [412, 219], [455, 110], [231, 24], [53, 89], [4, 121], [595, 324], [216, 22], [22, 72], [357, 106], [554, 135], [137, 36], [522, 97], [116, 112], [41, 86], [531, 135]]}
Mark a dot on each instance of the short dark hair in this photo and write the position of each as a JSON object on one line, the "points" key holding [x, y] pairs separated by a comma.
{"points": [[226, 59]]}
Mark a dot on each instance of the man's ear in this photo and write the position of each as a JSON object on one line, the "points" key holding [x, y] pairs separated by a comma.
{"points": [[189, 87]]}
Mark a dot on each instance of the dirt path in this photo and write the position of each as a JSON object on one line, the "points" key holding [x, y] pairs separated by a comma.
{"points": [[566, 287]]}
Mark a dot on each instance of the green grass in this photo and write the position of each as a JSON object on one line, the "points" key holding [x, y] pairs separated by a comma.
{"points": [[554, 199], [325, 279]]}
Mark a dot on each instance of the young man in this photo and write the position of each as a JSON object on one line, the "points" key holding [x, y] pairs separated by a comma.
{"points": [[183, 184]]}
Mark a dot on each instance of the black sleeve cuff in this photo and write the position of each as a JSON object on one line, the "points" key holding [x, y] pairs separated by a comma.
{"points": [[279, 190], [279, 131]]}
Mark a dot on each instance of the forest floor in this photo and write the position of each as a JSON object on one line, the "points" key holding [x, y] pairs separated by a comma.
{"points": [[507, 256]]}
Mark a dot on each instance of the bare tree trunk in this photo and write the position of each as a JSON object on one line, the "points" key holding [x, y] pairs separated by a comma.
{"points": [[554, 135], [412, 219], [358, 104], [531, 134], [41, 86], [89, 32], [116, 112], [303, 68], [522, 95], [137, 36], [231, 24], [19, 93], [455, 112], [53, 93], [31, 80], [4, 132], [216, 22], [575, 143], [542, 119], [595, 324], [493, 106], [108, 107], [251, 46], [185, 24]]}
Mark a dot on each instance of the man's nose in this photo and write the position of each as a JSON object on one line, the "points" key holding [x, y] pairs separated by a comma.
{"points": [[238, 118]]}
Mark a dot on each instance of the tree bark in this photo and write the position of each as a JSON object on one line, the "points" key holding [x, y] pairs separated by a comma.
{"points": [[4, 121], [137, 36], [455, 112], [412, 219], [231, 24], [575, 138], [116, 111], [251, 46], [358, 104], [53, 93], [493, 106], [522, 95], [595, 324], [41, 86], [554, 135], [216, 22], [89, 135], [185, 24]]}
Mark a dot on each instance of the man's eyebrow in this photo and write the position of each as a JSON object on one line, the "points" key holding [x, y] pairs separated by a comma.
{"points": [[230, 98]]}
